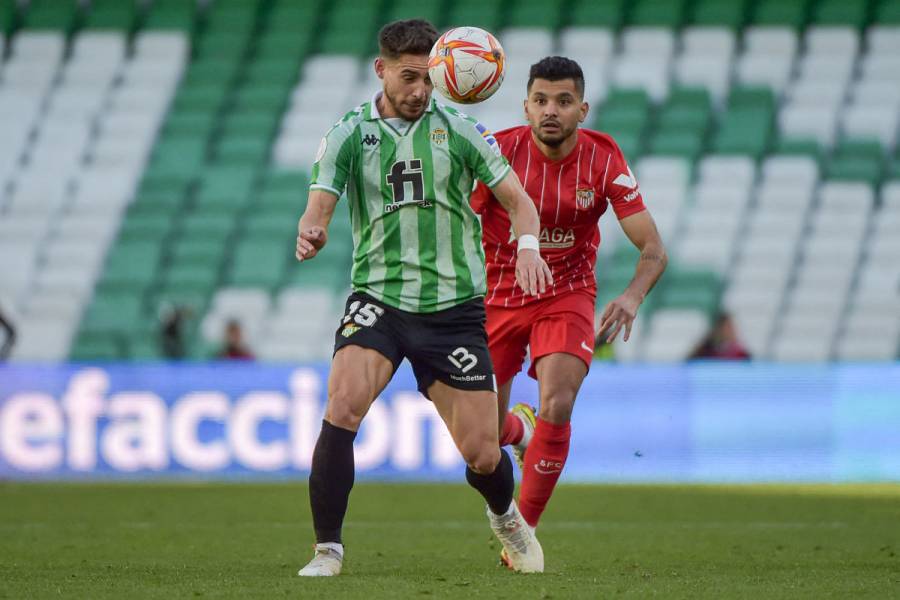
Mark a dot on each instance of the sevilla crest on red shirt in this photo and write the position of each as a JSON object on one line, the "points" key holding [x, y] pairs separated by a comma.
{"points": [[584, 199]]}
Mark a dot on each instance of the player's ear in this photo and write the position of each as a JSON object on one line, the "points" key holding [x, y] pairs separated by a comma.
{"points": [[585, 108], [379, 67]]}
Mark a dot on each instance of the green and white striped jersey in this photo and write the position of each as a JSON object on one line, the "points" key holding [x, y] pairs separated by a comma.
{"points": [[416, 241]]}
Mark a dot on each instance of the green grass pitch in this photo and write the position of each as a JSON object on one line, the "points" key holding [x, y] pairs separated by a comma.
{"points": [[419, 541]]}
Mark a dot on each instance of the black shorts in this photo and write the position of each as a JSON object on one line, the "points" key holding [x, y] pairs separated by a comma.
{"points": [[449, 346]]}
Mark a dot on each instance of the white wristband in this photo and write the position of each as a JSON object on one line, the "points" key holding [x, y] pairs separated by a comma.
{"points": [[528, 242]]}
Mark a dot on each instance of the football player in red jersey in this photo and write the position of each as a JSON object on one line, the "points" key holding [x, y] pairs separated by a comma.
{"points": [[573, 176]]}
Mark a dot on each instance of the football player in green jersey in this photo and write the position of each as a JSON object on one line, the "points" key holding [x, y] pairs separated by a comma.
{"points": [[408, 165]]}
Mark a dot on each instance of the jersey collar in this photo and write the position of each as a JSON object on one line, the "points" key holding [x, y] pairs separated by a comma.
{"points": [[372, 113], [542, 158]]}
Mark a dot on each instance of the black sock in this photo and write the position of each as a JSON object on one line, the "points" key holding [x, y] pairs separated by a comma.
{"points": [[330, 481], [497, 488]]}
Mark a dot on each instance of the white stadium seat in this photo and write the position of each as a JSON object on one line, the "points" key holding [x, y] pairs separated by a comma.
{"points": [[843, 41]]}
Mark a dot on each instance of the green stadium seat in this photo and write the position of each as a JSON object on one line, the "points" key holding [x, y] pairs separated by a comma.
{"points": [[91, 346], [239, 150], [158, 203], [682, 143], [113, 313], [51, 14], [205, 98], [419, 9], [631, 119], [893, 170], [857, 160], [171, 14], [211, 71], [841, 13], [347, 42], [221, 46], [250, 124], [753, 97], [277, 71], [597, 13], [273, 226], [111, 14], [789, 13], [727, 13], [197, 123], [697, 289], [627, 98], [8, 16], [657, 13], [229, 181], [887, 13], [744, 131], [131, 265], [259, 262], [178, 155], [479, 13], [684, 118], [276, 45], [146, 227], [202, 252], [143, 348], [269, 99], [191, 276], [321, 272], [203, 225], [192, 295], [690, 97], [801, 147], [536, 13]]}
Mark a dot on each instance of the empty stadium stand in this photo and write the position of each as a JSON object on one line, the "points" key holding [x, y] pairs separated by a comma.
{"points": [[155, 155]]}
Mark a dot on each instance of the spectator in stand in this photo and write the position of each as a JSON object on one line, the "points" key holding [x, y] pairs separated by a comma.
{"points": [[7, 338], [722, 342], [235, 348]]}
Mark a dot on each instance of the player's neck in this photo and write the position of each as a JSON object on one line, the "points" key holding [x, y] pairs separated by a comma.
{"points": [[384, 107], [557, 153]]}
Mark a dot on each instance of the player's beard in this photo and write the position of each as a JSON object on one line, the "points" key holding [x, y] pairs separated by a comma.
{"points": [[404, 110], [554, 140]]}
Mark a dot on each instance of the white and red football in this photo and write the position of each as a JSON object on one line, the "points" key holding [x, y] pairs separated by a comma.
{"points": [[466, 65]]}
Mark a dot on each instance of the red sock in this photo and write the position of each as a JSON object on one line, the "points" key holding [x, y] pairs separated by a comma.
{"points": [[544, 461], [513, 430]]}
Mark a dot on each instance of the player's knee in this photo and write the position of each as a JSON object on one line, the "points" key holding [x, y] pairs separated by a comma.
{"points": [[344, 409], [481, 457], [557, 406]]}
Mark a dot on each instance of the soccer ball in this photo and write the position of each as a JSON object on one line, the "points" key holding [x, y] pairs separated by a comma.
{"points": [[467, 65]]}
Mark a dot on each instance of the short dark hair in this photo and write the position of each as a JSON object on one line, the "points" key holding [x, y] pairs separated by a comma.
{"points": [[410, 36], [557, 68]]}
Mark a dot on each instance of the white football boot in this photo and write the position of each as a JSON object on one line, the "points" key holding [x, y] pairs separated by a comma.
{"points": [[522, 551], [525, 414], [327, 561]]}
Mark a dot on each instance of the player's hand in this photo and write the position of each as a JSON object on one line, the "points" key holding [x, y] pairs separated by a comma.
{"points": [[532, 273], [310, 241], [618, 314]]}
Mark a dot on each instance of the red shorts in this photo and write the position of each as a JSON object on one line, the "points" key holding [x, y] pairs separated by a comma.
{"points": [[562, 323]]}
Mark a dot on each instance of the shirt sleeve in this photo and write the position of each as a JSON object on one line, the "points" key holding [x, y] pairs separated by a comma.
{"points": [[332, 166], [481, 152], [621, 186]]}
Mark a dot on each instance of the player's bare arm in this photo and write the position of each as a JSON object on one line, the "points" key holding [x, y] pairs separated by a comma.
{"points": [[532, 273], [312, 230], [620, 313]]}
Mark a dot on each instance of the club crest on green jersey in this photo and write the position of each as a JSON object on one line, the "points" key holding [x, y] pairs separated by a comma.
{"points": [[438, 136]]}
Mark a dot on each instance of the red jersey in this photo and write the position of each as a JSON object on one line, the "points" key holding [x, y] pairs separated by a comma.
{"points": [[570, 195]]}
